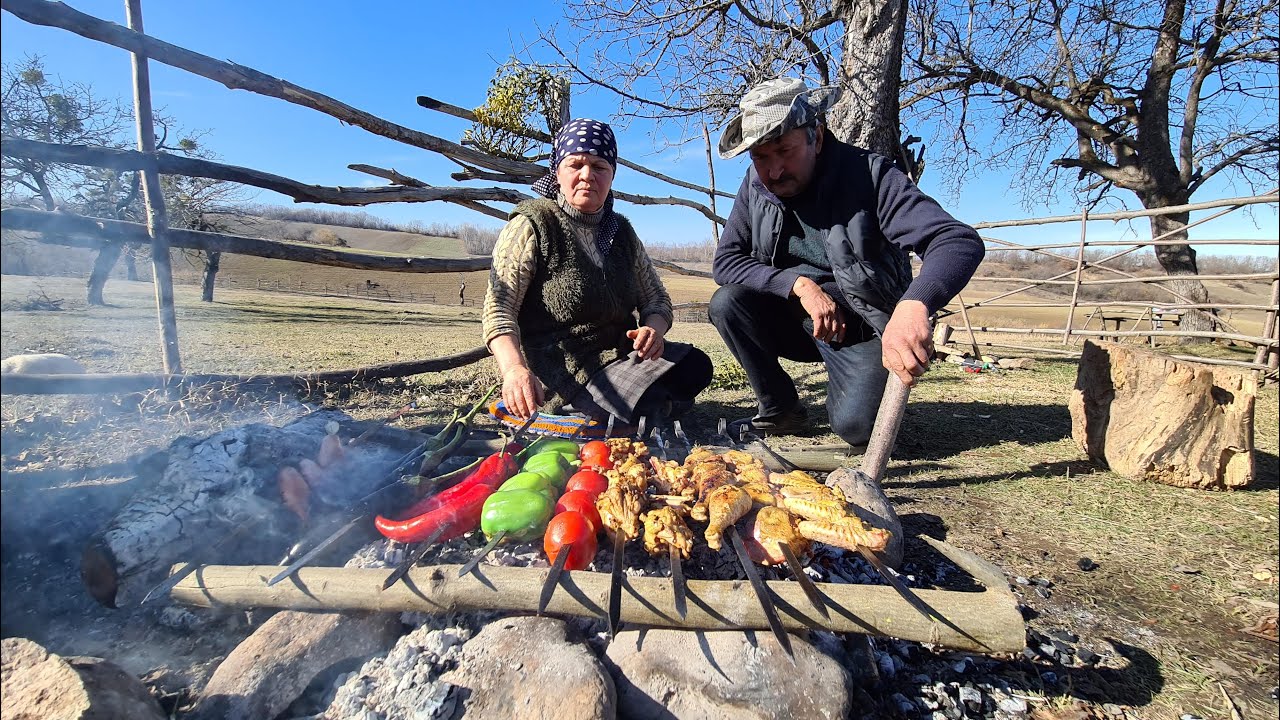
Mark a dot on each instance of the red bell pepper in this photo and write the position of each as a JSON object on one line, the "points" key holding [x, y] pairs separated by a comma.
{"points": [[492, 471], [459, 517]]}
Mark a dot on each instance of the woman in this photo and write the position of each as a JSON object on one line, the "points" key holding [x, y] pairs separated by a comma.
{"points": [[569, 277]]}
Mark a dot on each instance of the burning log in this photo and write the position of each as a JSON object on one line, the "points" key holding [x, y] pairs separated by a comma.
{"points": [[208, 489], [986, 621]]}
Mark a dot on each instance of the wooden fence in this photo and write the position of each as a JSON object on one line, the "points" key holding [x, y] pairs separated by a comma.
{"points": [[68, 229]]}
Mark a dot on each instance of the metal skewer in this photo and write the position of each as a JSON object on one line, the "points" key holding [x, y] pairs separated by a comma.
{"points": [[762, 592], [678, 586], [413, 558], [553, 578], [301, 562], [172, 581], [475, 561], [619, 552], [806, 583]]}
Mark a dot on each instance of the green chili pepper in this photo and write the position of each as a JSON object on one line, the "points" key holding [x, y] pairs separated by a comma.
{"points": [[530, 481], [522, 514]]}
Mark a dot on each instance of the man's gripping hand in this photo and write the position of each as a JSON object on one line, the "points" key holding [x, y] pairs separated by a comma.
{"points": [[828, 318], [907, 343]]}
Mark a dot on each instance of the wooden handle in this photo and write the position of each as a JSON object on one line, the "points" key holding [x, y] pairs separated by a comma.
{"points": [[888, 419]]}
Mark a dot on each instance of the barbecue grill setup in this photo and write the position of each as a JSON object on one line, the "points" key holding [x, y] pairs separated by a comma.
{"points": [[706, 516]]}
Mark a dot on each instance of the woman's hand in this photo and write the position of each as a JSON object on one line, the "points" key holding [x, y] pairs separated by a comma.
{"points": [[647, 342], [522, 391]]}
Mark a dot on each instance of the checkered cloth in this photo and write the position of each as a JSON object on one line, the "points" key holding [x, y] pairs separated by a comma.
{"points": [[614, 389]]}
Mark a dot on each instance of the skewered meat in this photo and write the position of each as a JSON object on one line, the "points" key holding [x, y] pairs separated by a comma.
{"points": [[740, 459], [771, 526], [795, 478], [672, 478], [761, 493], [814, 492], [725, 504], [631, 470], [663, 529], [620, 506], [621, 448], [848, 532], [812, 509]]}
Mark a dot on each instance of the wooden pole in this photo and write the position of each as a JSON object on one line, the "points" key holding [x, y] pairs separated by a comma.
{"points": [[968, 326], [153, 199], [1269, 325], [711, 183], [1075, 288], [988, 621]]}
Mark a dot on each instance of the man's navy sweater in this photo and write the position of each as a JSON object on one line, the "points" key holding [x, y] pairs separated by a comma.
{"points": [[949, 249]]}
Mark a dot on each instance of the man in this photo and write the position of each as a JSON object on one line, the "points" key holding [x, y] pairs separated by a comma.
{"points": [[813, 265]]}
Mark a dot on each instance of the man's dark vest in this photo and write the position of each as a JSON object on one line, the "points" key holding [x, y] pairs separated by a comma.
{"points": [[575, 316], [871, 272]]}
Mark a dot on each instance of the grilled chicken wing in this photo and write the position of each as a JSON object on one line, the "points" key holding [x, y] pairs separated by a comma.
{"points": [[664, 529], [672, 478], [795, 478], [848, 532], [620, 506], [816, 509], [761, 493], [725, 504]]}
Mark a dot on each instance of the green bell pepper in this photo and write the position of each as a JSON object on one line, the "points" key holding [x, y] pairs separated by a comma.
{"points": [[552, 465], [530, 481], [521, 513], [568, 448]]}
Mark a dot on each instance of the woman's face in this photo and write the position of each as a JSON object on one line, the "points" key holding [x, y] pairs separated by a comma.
{"points": [[585, 181]]}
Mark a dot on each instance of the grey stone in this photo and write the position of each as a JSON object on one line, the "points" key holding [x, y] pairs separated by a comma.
{"points": [[1013, 705], [1016, 363], [728, 675], [971, 697], [37, 684], [525, 667]]}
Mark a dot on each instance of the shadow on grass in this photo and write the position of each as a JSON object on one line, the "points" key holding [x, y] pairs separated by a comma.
{"points": [[934, 430]]}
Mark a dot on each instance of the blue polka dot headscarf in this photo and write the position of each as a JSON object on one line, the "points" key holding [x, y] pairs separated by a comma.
{"points": [[579, 136]]}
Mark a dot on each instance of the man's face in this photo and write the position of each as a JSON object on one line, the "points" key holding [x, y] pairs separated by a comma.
{"points": [[786, 164]]}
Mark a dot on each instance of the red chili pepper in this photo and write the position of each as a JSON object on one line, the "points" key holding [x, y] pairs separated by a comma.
{"points": [[459, 517], [492, 472]]}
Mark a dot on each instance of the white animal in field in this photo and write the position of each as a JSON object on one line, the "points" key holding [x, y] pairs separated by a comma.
{"points": [[41, 364]]}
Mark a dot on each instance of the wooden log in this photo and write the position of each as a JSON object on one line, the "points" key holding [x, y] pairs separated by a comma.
{"points": [[210, 487], [79, 231], [988, 621], [1150, 417], [167, 164], [110, 383], [239, 77]]}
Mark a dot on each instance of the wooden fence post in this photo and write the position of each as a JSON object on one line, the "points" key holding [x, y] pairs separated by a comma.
{"points": [[1075, 288], [968, 326], [1269, 328], [153, 199]]}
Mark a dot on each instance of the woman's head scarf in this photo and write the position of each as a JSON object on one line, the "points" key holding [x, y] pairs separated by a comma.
{"points": [[591, 137]]}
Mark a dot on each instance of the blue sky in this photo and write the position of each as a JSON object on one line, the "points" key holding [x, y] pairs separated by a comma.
{"points": [[379, 56]]}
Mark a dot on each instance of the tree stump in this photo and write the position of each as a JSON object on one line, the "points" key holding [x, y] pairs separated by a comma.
{"points": [[1148, 416]]}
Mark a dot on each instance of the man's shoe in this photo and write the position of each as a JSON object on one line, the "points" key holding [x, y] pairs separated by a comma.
{"points": [[792, 422], [867, 500]]}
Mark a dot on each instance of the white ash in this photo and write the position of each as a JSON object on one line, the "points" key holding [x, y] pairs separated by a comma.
{"points": [[404, 684]]}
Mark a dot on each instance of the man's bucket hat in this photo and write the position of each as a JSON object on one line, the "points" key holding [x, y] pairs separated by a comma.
{"points": [[772, 108]]}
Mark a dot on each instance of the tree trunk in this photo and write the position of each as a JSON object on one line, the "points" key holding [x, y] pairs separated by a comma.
{"points": [[1181, 260], [130, 264], [102, 267], [212, 261], [866, 114]]}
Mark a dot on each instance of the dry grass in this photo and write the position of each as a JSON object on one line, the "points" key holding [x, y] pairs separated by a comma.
{"points": [[986, 459]]}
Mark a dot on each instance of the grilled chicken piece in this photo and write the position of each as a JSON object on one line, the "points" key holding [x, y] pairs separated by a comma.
{"points": [[622, 448], [699, 454], [663, 529], [771, 526], [752, 474], [633, 470], [725, 504], [761, 493], [848, 532], [795, 478], [672, 478], [739, 458], [815, 492], [620, 506], [812, 509]]}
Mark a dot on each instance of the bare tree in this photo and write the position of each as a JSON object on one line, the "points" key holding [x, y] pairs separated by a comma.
{"points": [[679, 59], [36, 106], [1156, 98]]}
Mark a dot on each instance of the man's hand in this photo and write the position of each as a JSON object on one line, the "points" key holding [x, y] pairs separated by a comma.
{"points": [[522, 391], [648, 342], [828, 318], [907, 343]]}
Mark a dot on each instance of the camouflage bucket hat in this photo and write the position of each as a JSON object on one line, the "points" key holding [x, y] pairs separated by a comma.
{"points": [[772, 108]]}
